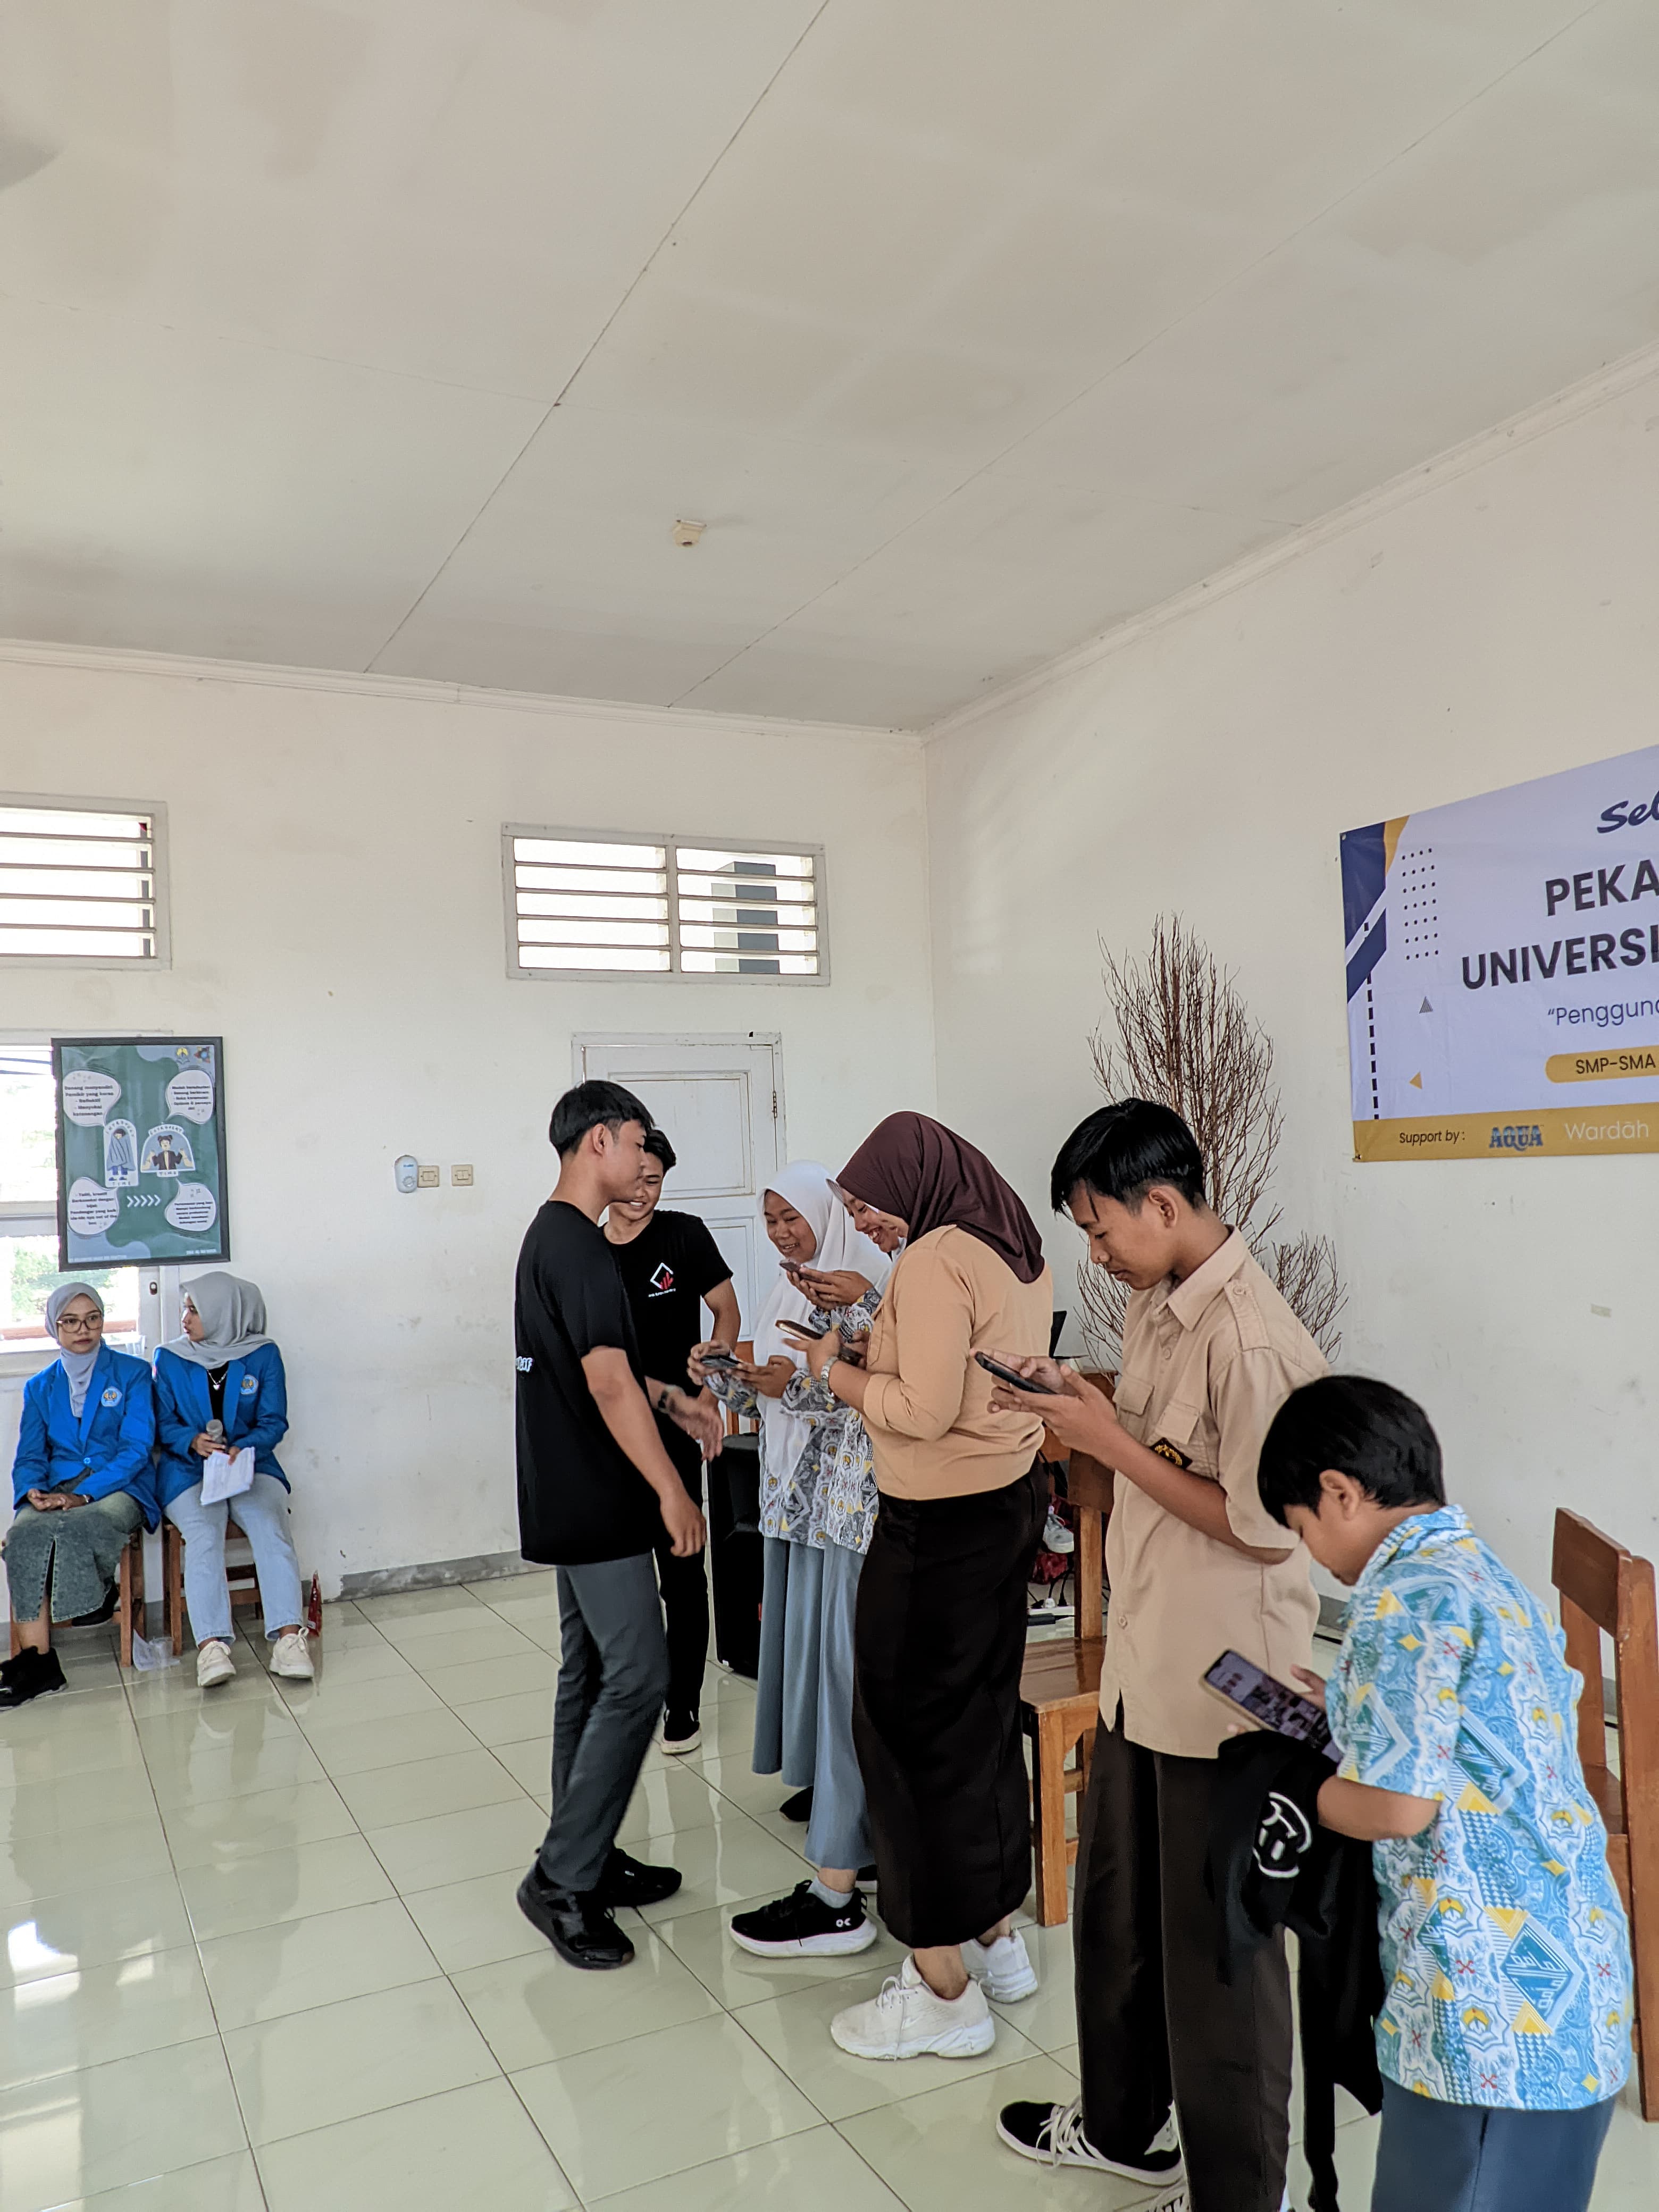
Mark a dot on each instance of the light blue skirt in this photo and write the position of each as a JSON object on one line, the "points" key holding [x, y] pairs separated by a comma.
{"points": [[786, 1693]]}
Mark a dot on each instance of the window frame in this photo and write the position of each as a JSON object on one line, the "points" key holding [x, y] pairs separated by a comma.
{"points": [[670, 843], [156, 813]]}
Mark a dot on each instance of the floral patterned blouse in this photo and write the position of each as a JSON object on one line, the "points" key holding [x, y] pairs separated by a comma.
{"points": [[829, 1497]]}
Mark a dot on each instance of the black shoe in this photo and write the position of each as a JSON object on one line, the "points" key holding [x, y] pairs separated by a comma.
{"points": [[797, 1808], [100, 1613], [574, 1923], [802, 1926], [30, 1675], [1053, 2134], [681, 1733], [625, 1881]]}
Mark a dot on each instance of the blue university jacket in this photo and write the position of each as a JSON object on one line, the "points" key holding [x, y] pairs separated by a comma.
{"points": [[256, 1412], [108, 1448]]}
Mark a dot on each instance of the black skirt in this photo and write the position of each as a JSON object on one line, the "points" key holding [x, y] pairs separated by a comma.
{"points": [[939, 1643]]}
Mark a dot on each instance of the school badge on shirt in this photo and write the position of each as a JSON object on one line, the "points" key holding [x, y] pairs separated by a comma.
{"points": [[1165, 1449], [111, 1397]]}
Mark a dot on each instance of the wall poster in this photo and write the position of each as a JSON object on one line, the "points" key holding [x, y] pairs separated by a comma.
{"points": [[1503, 957], [141, 1150]]}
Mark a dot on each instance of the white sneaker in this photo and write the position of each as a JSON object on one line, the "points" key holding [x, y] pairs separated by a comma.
{"points": [[1056, 1536], [1003, 1969], [213, 1664], [907, 2020], [291, 1658]]}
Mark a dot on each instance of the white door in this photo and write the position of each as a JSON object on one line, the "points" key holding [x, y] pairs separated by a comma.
{"points": [[720, 1102]]}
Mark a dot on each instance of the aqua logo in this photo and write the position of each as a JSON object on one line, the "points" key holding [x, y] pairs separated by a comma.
{"points": [[1517, 1137], [111, 1397]]}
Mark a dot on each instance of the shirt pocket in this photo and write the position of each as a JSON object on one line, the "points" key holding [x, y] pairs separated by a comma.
{"points": [[1180, 1434], [1131, 1396]]}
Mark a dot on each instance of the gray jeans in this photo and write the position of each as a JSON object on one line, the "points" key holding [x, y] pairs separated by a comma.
{"points": [[613, 1679]]}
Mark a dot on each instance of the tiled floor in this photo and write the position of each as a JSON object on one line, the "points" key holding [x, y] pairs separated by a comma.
{"points": [[262, 1951]]}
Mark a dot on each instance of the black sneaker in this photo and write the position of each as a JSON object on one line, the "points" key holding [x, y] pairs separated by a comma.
{"points": [[797, 1808], [802, 1926], [574, 1923], [681, 1733], [1053, 2134], [625, 1881], [101, 1612], [30, 1675]]}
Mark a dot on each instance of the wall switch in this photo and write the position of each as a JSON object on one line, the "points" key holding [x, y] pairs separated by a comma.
{"points": [[461, 1174], [428, 1179]]}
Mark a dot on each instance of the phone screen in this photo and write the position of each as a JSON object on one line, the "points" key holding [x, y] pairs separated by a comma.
{"points": [[1269, 1700], [803, 1328]]}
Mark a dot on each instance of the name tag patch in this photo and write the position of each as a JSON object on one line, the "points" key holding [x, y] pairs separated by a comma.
{"points": [[111, 1397]]}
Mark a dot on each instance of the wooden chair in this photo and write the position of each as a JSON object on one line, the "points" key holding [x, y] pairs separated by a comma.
{"points": [[130, 1593], [241, 1576], [1059, 1688], [1604, 1587]]}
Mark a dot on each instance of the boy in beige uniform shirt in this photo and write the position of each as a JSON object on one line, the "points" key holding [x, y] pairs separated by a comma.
{"points": [[1195, 1567]]}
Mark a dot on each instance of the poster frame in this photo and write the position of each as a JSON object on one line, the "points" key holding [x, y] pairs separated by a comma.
{"points": [[59, 1045]]}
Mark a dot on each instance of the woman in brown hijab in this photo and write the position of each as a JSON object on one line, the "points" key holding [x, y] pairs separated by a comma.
{"points": [[941, 1615]]}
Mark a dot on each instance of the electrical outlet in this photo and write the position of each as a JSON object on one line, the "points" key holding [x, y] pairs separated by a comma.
{"points": [[461, 1174], [428, 1179]]}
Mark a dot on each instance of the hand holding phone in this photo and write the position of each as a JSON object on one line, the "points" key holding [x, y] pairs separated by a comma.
{"points": [[805, 1328], [1016, 1382], [1270, 1702]]}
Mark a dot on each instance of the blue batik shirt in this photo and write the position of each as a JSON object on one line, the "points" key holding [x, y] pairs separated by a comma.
{"points": [[1505, 1955]]}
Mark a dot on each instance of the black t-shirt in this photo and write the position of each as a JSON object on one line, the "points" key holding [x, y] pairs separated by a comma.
{"points": [[668, 1268], [581, 1497]]}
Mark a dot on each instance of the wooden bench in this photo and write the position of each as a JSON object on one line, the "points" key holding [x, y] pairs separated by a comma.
{"points": [[1059, 1688], [1605, 1589]]}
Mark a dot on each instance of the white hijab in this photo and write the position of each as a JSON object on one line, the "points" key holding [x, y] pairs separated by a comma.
{"points": [[804, 1185]]}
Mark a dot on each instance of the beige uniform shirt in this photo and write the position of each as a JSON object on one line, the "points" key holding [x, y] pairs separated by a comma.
{"points": [[1206, 1365]]}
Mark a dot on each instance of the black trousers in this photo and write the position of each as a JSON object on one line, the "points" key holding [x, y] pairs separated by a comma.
{"points": [[684, 1587], [937, 1647], [1156, 2022]]}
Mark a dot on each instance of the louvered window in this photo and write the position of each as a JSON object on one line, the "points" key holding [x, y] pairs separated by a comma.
{"points": [[595, 905], [81, 884]]}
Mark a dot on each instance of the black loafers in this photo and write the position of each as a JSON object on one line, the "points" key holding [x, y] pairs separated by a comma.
{"points": [[577, 1925], [30, 1675]]}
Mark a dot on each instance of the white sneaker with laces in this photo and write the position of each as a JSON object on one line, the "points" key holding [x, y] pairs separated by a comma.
{"points": [[214, 1664], [291, 1658], [1056, 1536], [1003, 1969], [907, 2020]]}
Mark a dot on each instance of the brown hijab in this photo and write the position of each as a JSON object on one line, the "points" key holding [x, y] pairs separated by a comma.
{"points": [[933, 1178]]}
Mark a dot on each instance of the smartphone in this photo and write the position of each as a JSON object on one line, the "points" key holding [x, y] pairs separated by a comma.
{"points": [[804, 1329], [1269, 1703], [1015, 1381], [724, 1361]]}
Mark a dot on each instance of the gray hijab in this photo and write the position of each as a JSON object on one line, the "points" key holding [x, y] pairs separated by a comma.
{"points": [[233, 1313], [76, 1365]]}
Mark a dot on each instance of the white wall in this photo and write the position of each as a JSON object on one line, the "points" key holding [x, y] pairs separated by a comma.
{"points": [[338, 917], [1495, 623]]}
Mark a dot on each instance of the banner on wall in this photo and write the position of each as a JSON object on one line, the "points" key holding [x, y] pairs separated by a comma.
{"points": [[141, 1150], [1503, 957]]}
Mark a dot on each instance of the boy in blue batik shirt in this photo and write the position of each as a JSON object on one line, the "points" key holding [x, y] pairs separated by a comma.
{"points": [[1504, 2034]]}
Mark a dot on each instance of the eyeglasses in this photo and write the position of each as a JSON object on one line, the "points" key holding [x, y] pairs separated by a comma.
{"points": [[79, 1321]]}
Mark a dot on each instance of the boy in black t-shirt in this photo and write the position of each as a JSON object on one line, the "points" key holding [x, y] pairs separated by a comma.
{"points": [[595, 1486], [672, 1268]]}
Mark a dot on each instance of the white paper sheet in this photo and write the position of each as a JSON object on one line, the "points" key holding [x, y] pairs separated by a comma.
{"points": [[229, 1474]]}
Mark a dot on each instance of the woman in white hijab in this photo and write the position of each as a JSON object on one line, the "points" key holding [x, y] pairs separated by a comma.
{"points": [[220, 1387], [804, 1702]]}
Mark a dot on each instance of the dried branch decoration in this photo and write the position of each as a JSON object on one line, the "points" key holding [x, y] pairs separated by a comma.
{"points": [[1176, 1030]]}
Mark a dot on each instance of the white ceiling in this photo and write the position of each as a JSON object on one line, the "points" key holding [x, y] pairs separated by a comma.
{"points": [[395, 334]]}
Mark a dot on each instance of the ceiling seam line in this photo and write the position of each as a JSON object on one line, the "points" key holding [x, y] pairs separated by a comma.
{"points": [[1279, 246], [646, 266]]}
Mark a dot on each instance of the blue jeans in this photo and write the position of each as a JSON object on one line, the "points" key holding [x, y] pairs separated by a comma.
{"points": [[1432, 2157], [261, 1514]]}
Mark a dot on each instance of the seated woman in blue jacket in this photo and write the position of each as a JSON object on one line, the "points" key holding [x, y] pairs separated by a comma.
{"points": [[221, 1387], [83, 1482]]}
